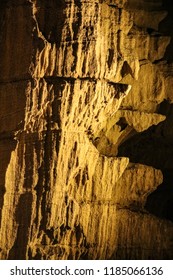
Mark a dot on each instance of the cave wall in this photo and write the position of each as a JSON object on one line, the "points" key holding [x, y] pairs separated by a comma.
{"points": [[82, 88]]}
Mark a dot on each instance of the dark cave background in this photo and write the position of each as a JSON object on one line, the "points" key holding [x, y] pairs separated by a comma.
{"points": [[154, 147]]}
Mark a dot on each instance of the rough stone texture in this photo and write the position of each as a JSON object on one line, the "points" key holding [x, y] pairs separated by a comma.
{"points": [[86, 129]]}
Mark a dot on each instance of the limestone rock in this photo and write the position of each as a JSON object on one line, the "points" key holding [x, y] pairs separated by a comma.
{"points": [[83, 86]]}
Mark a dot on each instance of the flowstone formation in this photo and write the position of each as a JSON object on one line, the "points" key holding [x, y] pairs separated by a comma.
{"points": [[86, 129]]}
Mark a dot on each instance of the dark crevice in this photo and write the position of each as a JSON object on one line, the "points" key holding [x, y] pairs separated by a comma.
{"points": [[165, 27], [122, 123], [154, 147], [160, 202], [110, 57], [51, 79], [50, 16], [126, 69], [113, 6], [154, 33], [159, 61]]}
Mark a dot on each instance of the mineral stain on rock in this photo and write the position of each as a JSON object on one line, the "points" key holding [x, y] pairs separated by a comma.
{"points": [[86, 129]]}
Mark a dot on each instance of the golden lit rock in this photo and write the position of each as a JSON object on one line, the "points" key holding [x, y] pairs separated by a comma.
{"points": [[85, 130]]}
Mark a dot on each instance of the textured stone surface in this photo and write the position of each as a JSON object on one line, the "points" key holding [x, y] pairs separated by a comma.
{"points": [[85, 129]]}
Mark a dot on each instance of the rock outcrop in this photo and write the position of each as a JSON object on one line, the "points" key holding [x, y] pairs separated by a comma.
{"points": [[86, 129]]}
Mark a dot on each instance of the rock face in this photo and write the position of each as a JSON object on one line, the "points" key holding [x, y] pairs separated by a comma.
{"points": [[86, 129]]}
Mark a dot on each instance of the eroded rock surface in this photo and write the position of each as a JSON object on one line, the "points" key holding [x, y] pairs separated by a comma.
{"points": [[82, 91]]}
